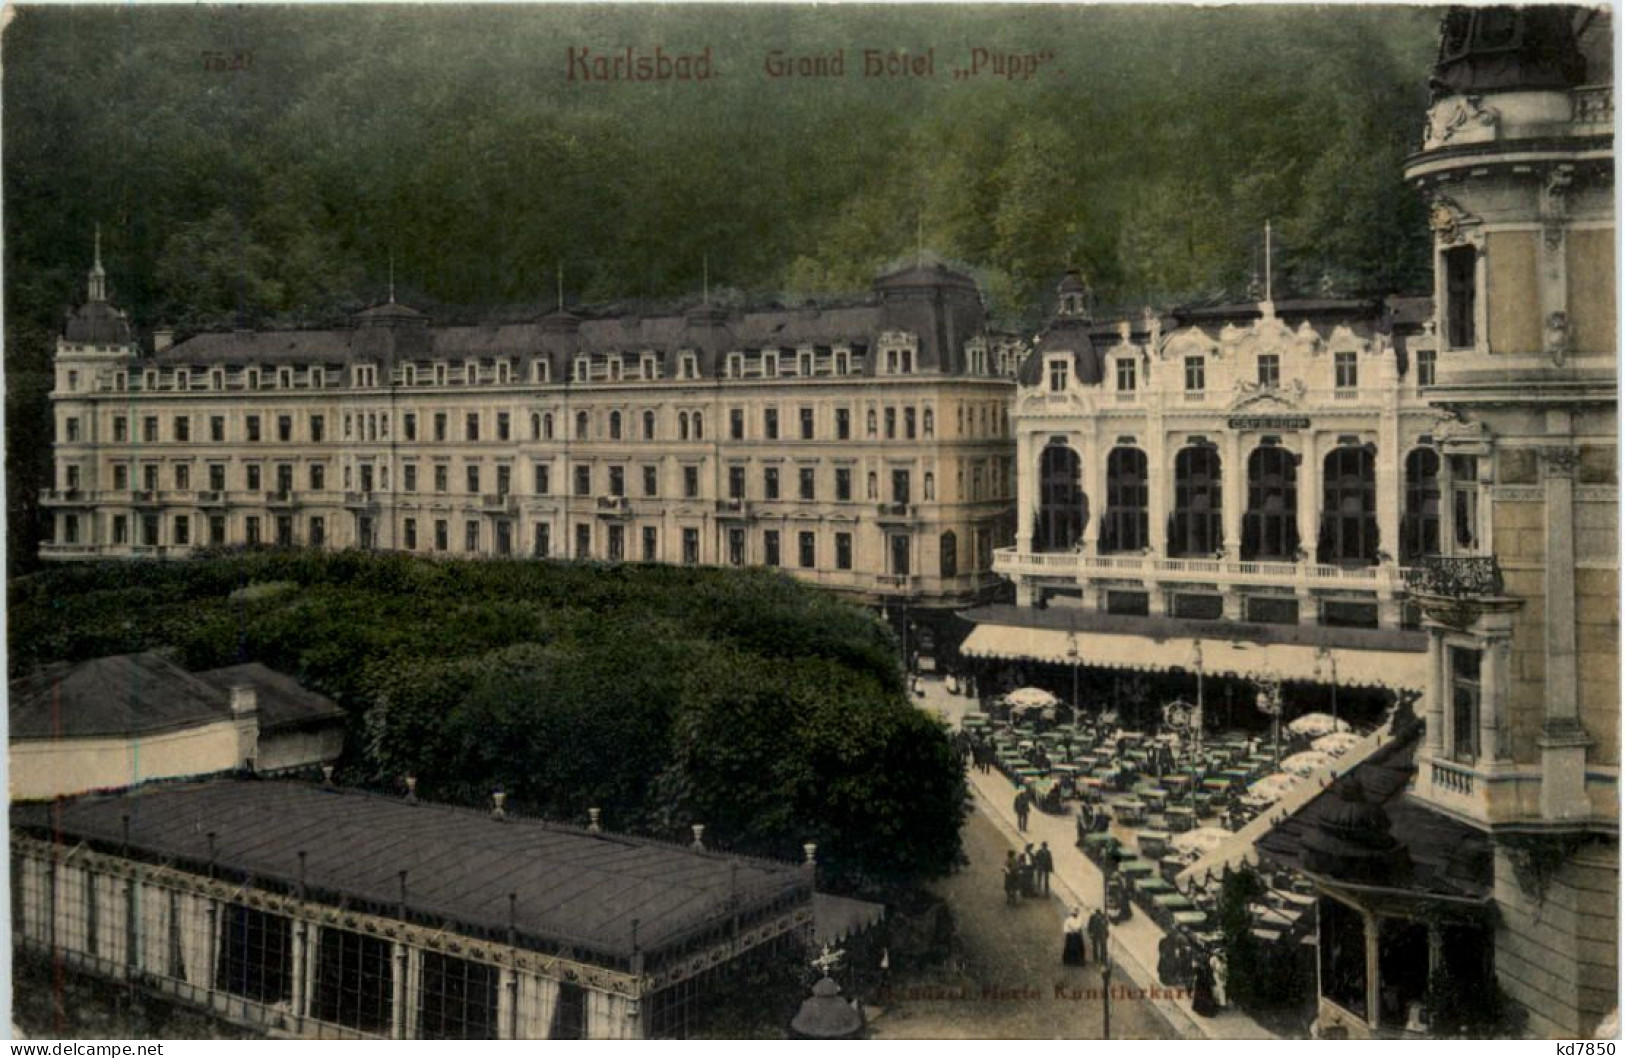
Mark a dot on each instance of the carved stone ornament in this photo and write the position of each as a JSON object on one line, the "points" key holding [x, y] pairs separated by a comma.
{"points": [[1557, 336], [1445, 219], [1560, 460], [1558, 183], [1450, 429], [1469, 112]]}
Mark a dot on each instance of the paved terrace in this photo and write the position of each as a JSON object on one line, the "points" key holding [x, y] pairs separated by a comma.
{"points": [[1079, 881]]}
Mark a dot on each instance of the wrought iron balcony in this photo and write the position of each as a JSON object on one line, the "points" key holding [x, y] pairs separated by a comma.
{"points": [[614, 505], [1456, 577]]}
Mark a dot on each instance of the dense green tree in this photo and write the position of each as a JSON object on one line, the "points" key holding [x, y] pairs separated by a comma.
{"points": [[663, 696]]}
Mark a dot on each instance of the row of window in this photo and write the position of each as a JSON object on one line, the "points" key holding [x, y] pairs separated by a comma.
{"points": [[1347, 532], [907, 422], [1345, 366], [373, 478]]}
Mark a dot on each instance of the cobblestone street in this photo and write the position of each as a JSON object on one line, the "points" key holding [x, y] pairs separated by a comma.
{"points": [[1007, 980]]}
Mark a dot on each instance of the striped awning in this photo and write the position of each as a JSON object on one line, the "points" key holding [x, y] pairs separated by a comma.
{"points": [[1399, 670]]}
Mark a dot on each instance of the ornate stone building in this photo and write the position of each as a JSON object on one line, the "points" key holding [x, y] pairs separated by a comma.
{"points": [[863, 447], [1522, 609], [1251, 471]]}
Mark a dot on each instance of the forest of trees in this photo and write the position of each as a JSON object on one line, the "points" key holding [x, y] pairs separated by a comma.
{"points": [[1148, 153], [771, 712]]}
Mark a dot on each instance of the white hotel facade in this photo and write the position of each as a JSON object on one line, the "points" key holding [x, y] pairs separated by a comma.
{"points": [[862, 447]]}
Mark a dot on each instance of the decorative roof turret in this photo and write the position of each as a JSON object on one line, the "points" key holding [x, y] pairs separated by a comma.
{"points": [[97, 321], [1508, 49]]}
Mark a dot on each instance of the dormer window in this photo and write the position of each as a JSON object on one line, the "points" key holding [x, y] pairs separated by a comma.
{"points": [[1347, 366], [582, 367], [1058, 375], [409, 374], [615, 368], [471, 372], [317, 376], [770, 365], [150, 380], [284, 378], [440, 373], [504, 373], [183, 379], [540, 371], [1195, 374], [1269, 370], [689, 366], [736, 365], [843, 362], [253, 378], [121, 381], [1126, 376], [804, 365], [649, 366]]}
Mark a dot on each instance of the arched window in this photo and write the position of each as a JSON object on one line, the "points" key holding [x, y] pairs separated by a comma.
{"points": [[1269, 529], [682, 426], [1061, 503], [535, 426], [1195, 527], [1348, 512], [948, 548], [1419, 530], [699, 427], [648, 426], [1126, 526], [581, 426], [614, 426], [547, 426]]}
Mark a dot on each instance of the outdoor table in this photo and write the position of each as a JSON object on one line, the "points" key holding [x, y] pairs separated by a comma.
{"points": [[1122, 854], [1092, 789], [1024, 774], [1067, 770], [1173, 902], [1216, 784], [1179, 819], [1236, 776], [1171, 866], [1129, 813], [1099, 842], [1176, 783], [1153, 843], [1136, 869], [1154, 797], [1190, 920], [1301, 901], [1268, 936], [1153, 886]]}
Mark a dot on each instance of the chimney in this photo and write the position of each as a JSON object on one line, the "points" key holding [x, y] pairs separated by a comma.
{"points": [[245, 714], [162, 339]]}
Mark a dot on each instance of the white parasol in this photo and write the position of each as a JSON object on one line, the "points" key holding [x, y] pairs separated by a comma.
{"points": [[1317, 724], [1336, 743], [1202, 839], [1304, 763], [1272, 787], [1031, 698]]}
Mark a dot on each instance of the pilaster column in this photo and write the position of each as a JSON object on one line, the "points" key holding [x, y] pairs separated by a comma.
{"points": [[1160, 482], [1373, 986], [397, 992], [301, 972], [1026, 501], [1094, 493], [1390, 481], [1563, 741], [1309, 495], [1492, 707], [1233, 473], [1433, 706]]}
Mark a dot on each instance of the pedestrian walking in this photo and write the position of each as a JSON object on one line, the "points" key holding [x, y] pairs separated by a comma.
{"points": [[1029, 871], [1044, 861], [1097, 935], [1072, 939], [1012, 878], [1202, 1000], [1023, 806]]}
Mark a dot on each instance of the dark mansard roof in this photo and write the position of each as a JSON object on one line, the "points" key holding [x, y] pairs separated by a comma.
{"points": [[142, 694], [572, 887], [942, 307]]}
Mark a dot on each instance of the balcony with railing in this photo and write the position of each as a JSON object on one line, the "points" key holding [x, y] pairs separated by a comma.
{"points": [[895, 511], [1594, 105], [279, 498], [364, 499], [618, 506], [499, 503], [1456, 577], [894, 581], [1073, 565]]}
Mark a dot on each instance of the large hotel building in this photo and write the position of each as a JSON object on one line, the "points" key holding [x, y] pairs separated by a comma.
{"points": [[863, 447]]}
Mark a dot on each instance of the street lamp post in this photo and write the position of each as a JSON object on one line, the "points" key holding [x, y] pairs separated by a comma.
{"points": [[1269, 703], [1106, 950], [1072, 659], [1196, 721]]}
